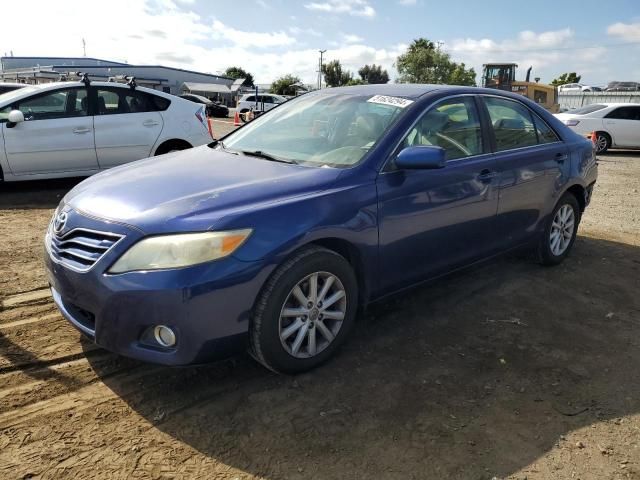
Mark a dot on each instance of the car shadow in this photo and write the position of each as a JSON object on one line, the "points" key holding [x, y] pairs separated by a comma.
{"points": [[35, 193], [474, 376]]}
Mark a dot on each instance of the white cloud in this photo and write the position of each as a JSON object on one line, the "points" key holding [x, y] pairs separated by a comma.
{"points": [[626, 31], [241, 38], [263, 4], [407, 2], [359, 8], [351, 38], [307, 31]]}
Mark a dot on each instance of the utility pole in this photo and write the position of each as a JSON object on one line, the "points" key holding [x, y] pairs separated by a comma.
{"points": [[84, 48], [438, 45], [322, 52]]}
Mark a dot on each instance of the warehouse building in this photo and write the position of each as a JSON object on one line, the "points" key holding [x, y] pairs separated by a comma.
{"points": [[167, 79]]}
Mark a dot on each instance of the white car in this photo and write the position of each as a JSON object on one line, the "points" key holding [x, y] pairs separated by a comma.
{"points": [[617, 125], [259, 103], [575, 87], [69, 129]]}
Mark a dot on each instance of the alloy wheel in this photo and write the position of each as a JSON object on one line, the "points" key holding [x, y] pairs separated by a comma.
{"points": [[562, 230], [601, 143], [312, 314]]}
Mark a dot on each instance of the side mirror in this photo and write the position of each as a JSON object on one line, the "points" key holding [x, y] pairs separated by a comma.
{"points": [[421, 158], [15, 117]]}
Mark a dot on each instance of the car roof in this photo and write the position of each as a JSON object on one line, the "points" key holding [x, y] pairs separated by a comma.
{"points": [[44, 87]]}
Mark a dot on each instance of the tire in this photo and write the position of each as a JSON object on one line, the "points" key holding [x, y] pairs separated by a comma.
{"points": [[273, 334], [243, 116], [552, 250], [603, 142]]}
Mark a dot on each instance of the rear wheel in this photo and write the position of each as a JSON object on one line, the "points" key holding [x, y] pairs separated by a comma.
{"points": [[305, 312], [560, 232], [603, 142]]}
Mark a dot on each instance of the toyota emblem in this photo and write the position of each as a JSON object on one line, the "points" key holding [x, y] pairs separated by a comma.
{"points": [[59, 223]]}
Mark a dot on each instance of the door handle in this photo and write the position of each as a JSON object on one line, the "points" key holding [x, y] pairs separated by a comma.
{"points": [[150, 123], [486, 175], [561, 157], [81, 130]]}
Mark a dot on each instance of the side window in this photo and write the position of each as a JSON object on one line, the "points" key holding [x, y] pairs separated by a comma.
{"points": [[453, 125], [108, 102], [59, 104], [625, 113], [129, 101], [4, 113], [250, 99], [544, 131], [512, 124]]}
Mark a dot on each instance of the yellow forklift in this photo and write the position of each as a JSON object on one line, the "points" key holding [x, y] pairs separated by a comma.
{"points": [[503, 77]]}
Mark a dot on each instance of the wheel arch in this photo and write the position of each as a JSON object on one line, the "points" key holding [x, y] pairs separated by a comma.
{"points": [[170, 144], [580, 192]]}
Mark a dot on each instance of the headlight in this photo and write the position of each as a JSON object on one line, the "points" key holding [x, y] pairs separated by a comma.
{"points": [[175, 251], [571, 123]]}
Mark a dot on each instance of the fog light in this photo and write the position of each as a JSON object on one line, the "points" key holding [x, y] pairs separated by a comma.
{"points": [[164, 336]]}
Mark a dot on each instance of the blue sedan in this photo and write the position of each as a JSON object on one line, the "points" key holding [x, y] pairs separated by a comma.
{"points": [[272, 238]]}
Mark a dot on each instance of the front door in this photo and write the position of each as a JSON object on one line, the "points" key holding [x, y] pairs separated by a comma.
{"points": [[432, 221], [126, 125], [56, 136]]}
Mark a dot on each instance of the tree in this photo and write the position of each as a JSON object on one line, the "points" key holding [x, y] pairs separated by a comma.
{"points": [[566, 78], [284, 85], [373, 74], [238, 72], [423, 62], [334, 76]]}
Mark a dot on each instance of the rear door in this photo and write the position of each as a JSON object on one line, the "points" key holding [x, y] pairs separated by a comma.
{"points": [[530, 160], [56, 136], [127, 124], [624, 125]]}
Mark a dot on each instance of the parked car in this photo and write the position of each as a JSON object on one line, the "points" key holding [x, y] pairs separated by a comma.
{"points": [[274, 236], [213, 109], [259, 103], [576, 87], [617, 125], [9, 87], [67, 129], [623, 87]]}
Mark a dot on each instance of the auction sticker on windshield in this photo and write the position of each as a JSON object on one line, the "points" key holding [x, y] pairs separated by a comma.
{"points": [[388, 100]]}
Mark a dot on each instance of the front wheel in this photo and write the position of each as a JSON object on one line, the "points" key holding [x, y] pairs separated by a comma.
{"points": [[603, 142], [560, 231], [305, 311]]}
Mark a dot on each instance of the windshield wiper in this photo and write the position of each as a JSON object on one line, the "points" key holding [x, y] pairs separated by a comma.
{"points": [[266, 156]]}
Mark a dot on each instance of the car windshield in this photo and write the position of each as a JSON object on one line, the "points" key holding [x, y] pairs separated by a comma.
{"points": [[588, 109], [323, 130]]}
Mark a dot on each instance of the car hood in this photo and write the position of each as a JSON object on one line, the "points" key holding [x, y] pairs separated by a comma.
{"points": [[192, 189]]}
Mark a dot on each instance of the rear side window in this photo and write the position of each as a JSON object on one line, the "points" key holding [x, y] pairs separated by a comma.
{"points": [[625, 113], [118, 101], [544, 131], [453, 125], [250, 99], [512, 124]]}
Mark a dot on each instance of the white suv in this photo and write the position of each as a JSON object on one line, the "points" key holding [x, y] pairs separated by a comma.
{"points": [[259, 103], [69, 129]]}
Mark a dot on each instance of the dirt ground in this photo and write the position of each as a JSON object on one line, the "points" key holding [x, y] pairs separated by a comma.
{"points": [[510, 370]]}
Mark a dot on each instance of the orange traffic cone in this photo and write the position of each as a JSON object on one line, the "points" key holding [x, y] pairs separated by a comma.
{"points": [[236, 119], [594, 137], [210, 127]]}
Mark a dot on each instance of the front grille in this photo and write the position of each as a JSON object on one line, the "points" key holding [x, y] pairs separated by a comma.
{"points": [[80, 249]]}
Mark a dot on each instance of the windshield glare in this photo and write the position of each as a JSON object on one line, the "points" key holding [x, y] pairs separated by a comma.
{"points": [[332, 130]]}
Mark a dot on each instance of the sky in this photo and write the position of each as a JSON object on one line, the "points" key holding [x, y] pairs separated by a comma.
{"points": [[599, 39]]}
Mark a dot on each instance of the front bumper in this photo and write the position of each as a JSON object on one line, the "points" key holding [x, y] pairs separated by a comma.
{"points": [[208, 306]]}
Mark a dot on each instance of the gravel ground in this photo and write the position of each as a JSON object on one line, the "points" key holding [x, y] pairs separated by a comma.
{"points": [[509, 370]]}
